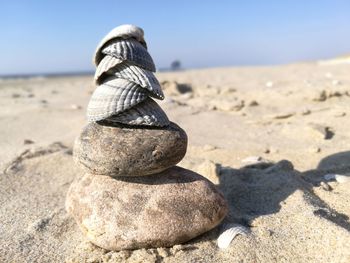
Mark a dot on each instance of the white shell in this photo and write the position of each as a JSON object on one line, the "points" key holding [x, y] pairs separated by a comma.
{"points": [[106, 64], [230, 231], [112, 97], [147, 113], [123, 31], [340, 178], [140, 76], [130, 50]]}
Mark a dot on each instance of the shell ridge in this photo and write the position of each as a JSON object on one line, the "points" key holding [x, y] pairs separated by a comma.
{"points": [[138, 75], [105, 65], [146, 113], [108, 100], [131, 51], [122, 97], [143, 77]]}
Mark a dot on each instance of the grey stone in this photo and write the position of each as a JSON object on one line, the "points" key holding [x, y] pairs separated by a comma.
{"points": [[124, 151], [160, 210]]}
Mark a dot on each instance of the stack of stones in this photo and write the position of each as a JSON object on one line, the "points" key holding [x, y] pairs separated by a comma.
{"points": [[132, 195]]}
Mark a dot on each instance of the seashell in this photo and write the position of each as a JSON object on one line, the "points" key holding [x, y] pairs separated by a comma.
{"points": [[112, 97], [124, 32], [131, 50], [340, 178], [140, 76], [107, 63], [147, 113], [125, 74], [230, 231]]}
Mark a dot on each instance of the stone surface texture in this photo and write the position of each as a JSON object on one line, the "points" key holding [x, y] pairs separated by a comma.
{"points": [[161, 210], [124, 151]]}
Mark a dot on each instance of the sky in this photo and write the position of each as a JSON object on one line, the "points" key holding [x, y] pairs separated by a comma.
{"points": [[61, 36]]}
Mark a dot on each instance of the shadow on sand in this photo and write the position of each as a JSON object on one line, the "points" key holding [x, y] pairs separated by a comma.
{"points": [[257, 191]]}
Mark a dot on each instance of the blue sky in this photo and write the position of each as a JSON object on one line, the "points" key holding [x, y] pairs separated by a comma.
{"points": [[61, 36]]}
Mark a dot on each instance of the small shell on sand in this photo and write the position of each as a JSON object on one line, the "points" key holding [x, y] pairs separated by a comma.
{"points": [[229, 232], [340, 178], [269, 84]]}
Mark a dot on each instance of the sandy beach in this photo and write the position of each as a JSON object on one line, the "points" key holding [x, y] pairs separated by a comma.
{"points": [[271, 138]]}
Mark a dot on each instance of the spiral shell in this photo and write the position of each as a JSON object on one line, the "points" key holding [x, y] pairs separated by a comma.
{"points": [[132, 51], [112, 97], [147, 113], [140, 76], [123, 32]]}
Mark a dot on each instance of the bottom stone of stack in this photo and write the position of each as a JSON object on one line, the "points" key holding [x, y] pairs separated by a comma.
{"points": [[159, 210]]}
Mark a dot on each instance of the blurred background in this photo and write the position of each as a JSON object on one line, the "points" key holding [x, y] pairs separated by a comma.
{"points": [[39, 37]]}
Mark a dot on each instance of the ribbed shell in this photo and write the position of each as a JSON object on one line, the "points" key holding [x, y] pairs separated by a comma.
{"points": [[230, 231], [125, 74], [123, 32], [131, 50], [147, 113], [112, 97], [140, 76], [107, 63]]}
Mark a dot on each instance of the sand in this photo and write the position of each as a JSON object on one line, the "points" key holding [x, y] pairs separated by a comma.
{"points": [[294, 116]]}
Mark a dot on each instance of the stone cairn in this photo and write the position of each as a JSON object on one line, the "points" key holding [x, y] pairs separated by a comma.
{"points": [[132, 195]]}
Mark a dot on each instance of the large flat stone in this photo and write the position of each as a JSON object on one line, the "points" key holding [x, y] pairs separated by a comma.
{"points": [[160, 210], [122, 151]]}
